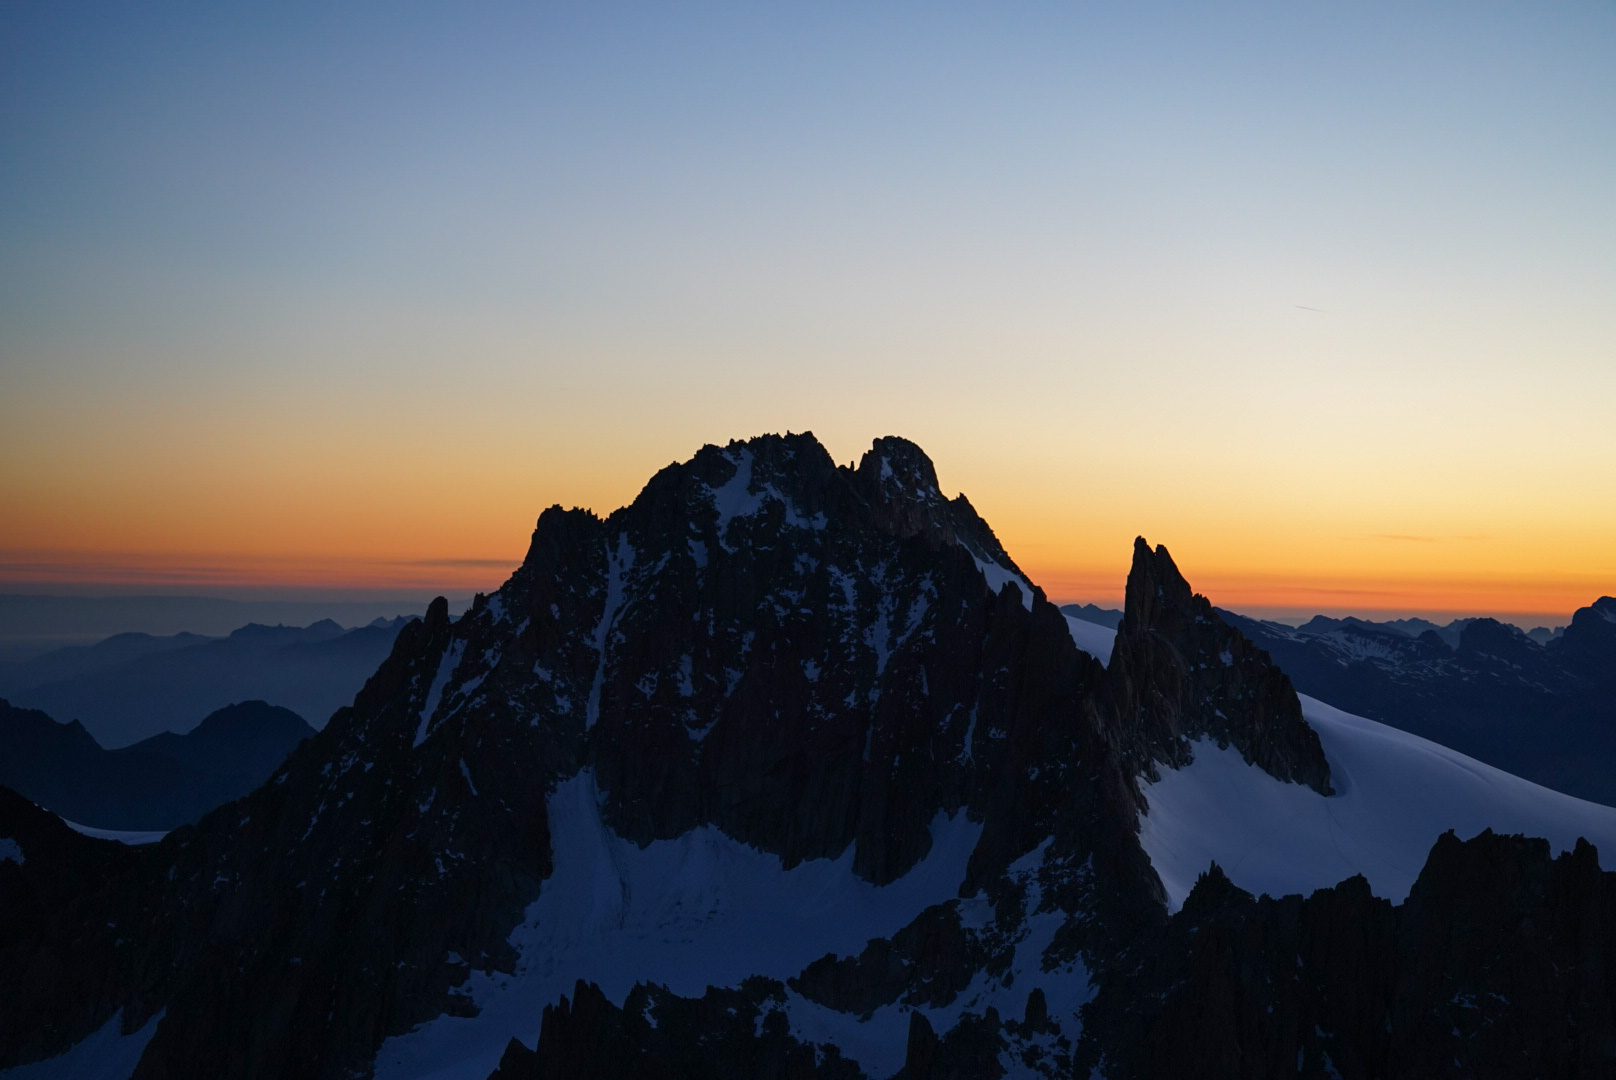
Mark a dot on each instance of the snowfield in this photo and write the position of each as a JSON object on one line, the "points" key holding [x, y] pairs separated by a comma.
{"points": [[1395, 793], [702, 910]]}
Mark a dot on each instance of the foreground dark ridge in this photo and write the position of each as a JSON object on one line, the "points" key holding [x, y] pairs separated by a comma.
{"points": [[815, 660], [1501, 963]]}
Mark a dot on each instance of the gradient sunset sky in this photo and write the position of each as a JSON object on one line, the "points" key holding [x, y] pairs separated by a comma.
{"points": [[1320, 295]]}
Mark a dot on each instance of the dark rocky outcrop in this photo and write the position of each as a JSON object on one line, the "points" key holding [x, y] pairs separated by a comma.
{"points": [[1181, 673], [928, 962], [1501, 963], [58, 947], [738, 1032]]}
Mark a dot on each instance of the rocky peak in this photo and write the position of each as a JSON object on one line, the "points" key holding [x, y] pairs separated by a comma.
{"points": [[899, 482], [1180, 673], [1489, 637], [1588, 646], [895, 472]]}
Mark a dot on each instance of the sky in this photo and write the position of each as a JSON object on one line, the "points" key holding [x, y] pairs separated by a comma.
{"points": [[1321, 296]]}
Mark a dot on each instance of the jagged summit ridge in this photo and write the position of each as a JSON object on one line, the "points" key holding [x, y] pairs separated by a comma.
{"points": [[790, 481]]}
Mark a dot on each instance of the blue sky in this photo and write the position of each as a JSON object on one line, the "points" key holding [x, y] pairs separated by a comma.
{"points": [[1369, 251]]}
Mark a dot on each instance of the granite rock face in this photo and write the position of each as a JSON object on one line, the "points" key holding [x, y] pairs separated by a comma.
{"points": [[1181, 673], [727, 1032]]}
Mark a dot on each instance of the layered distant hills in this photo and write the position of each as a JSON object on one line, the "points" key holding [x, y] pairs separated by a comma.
{"points": [[786, 769], [156, 784], [133, 686]]}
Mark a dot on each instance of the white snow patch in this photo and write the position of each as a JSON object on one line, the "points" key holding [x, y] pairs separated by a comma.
{"points": [[11, 851], [446, 666], [997, 575], [1092, 638], [465, 772], [108, 1054], [134, 838], [702, 910], [735, 498], [618, 563], [1395, 794]]}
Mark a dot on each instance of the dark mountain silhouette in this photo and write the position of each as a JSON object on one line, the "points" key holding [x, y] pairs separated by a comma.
{"points": [[158, 783], [131, 687], [783, 769]]}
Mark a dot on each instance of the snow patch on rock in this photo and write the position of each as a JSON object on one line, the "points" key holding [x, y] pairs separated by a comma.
{"points": [[997, 576]]}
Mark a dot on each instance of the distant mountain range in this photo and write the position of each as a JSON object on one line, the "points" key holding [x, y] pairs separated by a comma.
{"points": [[159, 783], [1545, 711], [1323, 624], [31, 624], [133, 686]]}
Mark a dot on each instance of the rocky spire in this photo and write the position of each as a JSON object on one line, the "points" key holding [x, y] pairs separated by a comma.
{"points": [[1180, 673]]}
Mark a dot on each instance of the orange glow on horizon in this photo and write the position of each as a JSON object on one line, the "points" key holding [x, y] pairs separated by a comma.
{"points": [[415, 518], [1544, 599]]}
